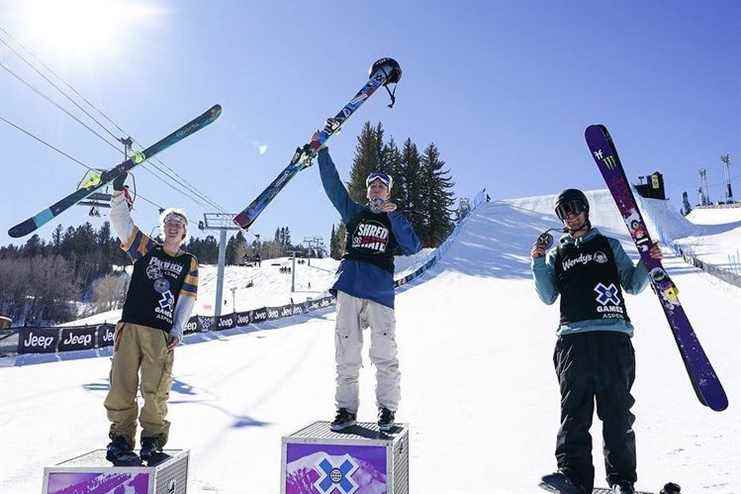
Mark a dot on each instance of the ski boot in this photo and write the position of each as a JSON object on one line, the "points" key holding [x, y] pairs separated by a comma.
{"points": [[343, 420], [624, 488], [385, 420], [671, 488], [559, 483], [121, 454]]}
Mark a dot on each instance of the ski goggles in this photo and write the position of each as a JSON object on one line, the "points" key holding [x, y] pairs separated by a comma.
{"points": [[176, 219], [570, 207], [383, 177]]}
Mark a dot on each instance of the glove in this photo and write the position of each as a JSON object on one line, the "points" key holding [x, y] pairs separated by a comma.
{"points": [[118, 182]]}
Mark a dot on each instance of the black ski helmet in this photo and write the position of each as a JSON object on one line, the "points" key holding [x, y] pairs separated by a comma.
{"points": [[572, 200], [391, 68]]}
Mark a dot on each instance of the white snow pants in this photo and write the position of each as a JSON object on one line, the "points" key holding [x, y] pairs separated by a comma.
{"points": [[353, 315]]}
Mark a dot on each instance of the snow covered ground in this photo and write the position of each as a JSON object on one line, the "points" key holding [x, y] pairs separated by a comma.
{"points": [[478, 386]]}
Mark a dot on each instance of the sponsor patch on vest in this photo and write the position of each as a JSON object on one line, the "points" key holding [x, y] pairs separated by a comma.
{"points": [[371, 235], [609, 301]]}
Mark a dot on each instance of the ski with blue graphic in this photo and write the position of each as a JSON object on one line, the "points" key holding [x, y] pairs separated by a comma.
{"points": [[383, 72], [704, 379], [101, 179]]}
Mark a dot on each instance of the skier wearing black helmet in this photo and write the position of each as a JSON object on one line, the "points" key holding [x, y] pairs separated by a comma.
{"points": [[594, 357]]}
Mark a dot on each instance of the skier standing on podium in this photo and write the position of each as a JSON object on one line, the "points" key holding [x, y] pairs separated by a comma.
{"points": [[365, 291], [594, 357], [161, 295]]}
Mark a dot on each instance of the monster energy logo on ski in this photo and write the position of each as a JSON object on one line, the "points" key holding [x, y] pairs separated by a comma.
{"points": [[609, 161]]}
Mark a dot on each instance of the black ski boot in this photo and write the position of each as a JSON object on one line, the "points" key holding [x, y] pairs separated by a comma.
{"points": [[559, 483], [385, 420], [121, 454], [671, 488], [623, 488], [150, 446], [343, 420]]}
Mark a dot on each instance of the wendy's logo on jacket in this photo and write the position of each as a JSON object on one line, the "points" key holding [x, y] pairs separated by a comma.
{"points": [[371, 235]]}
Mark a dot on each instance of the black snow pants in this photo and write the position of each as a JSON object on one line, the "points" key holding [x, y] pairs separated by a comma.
{"points": [[599, 367]]}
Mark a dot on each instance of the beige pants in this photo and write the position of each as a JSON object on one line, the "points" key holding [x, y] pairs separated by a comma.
{"points": [[353, 315], [139, 348]]}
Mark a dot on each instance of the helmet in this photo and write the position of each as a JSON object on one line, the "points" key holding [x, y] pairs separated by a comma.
{"points": [[570, 201], [385, 178], [391, 68]]}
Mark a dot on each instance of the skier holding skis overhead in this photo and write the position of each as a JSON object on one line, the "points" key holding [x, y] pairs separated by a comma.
{"points": [[365, 291], [161, 295], [594, 357]]}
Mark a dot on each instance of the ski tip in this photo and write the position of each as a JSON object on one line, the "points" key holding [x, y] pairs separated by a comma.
{"points": [[22, 229], [599, 129], [718, 405], [215, 111]]}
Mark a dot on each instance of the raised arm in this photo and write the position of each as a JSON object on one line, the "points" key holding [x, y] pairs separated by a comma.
{"points": [[133, 241], [334, 188]]}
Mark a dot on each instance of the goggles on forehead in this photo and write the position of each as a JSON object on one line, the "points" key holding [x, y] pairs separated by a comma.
{"points": [[175, 219], [570, 207], [383, 177]]}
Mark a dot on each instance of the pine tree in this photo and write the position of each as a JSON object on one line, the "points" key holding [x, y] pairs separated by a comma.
{"points": [[438, 197], [369, 157], [413, 206], [394, 166]]}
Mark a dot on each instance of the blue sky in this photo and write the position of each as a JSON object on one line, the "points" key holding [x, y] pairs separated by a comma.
{"points": [[505, 90]]}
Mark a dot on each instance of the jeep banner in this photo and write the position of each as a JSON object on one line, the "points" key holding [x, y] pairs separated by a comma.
{"points": [[77, 338], [225, 322], [105, 335], [242, 318], [259, 315], [191, 326], [38, 340]]}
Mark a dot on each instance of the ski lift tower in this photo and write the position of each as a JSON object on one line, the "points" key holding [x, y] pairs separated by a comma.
{"points": [[726, 159], [704, 189], [221, 222], [313, 244]]}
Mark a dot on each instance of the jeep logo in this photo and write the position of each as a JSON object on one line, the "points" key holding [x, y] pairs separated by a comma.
{"points": [[83, 339], [273, 314], [242, 320], [38, 341], [108, 336], [225, 322], [191, 326]]}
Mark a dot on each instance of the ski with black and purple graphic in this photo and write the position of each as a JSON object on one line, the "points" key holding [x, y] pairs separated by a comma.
{"points": [[102, 177], [383, 72], [704, 379]]}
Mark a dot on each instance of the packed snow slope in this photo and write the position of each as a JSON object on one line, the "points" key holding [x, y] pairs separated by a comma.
{"points": [[478, 386]]}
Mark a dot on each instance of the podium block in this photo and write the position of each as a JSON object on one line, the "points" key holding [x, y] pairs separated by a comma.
{"points": [[359, 460], [91, 473]]}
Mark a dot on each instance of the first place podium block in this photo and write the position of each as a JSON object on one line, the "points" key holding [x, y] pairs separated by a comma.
{"points": [[359, 460], [91, 473]]}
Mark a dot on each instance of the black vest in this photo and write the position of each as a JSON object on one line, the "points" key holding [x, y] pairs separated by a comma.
{"points": [[155, 288], [370, 239], [588, 281]]}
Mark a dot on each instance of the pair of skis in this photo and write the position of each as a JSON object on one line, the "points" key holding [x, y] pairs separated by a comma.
{"points": [[383, 72], [704, 380], [100, 180]]}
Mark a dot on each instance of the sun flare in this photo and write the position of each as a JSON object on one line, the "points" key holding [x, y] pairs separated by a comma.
{"points": [[83, 28]]}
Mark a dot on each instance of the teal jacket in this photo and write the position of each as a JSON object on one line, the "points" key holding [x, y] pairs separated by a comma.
{"points": [[633, 279]]}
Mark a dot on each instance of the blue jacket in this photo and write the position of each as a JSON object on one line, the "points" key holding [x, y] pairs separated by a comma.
{"points": [[357, 278], [633, 279]]}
